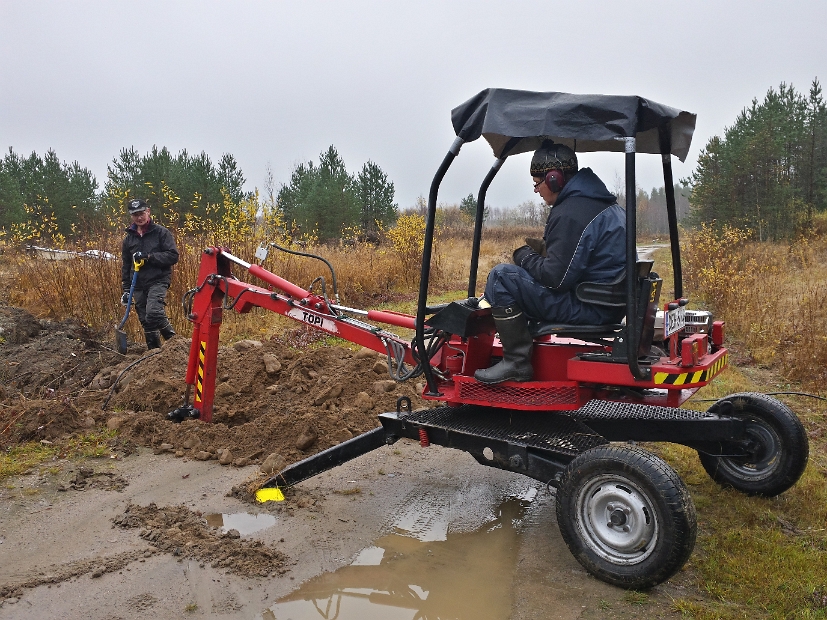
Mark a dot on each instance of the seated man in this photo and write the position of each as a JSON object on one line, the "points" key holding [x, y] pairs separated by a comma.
{"points": [[584, 241]]}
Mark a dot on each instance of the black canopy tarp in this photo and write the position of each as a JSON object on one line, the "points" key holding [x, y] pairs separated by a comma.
{"points": [[518, 121]]}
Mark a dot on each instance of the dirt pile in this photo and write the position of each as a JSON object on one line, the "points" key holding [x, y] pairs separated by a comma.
{"points": [[38, 419], [44, 367], [183, 533], [271, 397], [17, 326], [42, 357]]}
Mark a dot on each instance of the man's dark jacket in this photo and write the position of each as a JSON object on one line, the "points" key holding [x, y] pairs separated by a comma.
{"points": [[157, 242], [585, 237]]}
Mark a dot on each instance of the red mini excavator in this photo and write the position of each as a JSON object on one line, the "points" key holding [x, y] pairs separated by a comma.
{"points": [[624, 513]]}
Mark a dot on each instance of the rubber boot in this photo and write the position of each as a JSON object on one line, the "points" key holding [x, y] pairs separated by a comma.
{"points": [[153, 340], [517, 343], [167, 332]]}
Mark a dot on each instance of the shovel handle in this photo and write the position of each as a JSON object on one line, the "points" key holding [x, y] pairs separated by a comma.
{"points": [[129, 297]]}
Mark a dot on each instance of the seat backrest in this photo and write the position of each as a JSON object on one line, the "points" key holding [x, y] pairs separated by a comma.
{"points": [[647, 309], [611, 293], [614, 294]]}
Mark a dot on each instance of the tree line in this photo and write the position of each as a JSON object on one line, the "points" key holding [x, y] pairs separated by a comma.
{"points": [[651, 211], [652, 218], [320, 199], [36, 187], [768, 172], [325, 198], [180, 183]]}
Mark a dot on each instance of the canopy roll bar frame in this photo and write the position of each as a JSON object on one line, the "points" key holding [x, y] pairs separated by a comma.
{"points": [[632, 336]]}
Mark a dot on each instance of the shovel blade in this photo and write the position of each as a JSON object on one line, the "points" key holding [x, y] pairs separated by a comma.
{"points": [[120, 341]]}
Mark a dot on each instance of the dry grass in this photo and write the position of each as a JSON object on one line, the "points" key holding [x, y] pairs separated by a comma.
{"points": [[760, 557], [755, 557]]}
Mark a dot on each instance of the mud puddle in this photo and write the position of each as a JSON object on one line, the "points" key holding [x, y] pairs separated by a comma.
{"points": [[422, 570], [243, 522]]}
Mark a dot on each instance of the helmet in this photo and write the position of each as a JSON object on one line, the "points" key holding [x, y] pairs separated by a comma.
{"points": [[551, 156], [136, 206]]}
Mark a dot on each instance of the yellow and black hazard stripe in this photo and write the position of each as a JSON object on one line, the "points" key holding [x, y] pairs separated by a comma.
{"points": [[199, 379], [699, 376]]}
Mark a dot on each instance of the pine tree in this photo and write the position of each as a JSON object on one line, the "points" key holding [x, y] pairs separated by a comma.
{"points": [[174, 185], [49, 188], [468, 206], [375, 194], [324, 199]]}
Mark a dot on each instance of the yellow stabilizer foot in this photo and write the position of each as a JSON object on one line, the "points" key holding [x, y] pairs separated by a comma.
{"points": [[269, 495]]}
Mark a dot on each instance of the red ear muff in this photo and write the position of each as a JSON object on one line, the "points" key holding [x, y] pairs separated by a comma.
{"points": [[555, 180]]}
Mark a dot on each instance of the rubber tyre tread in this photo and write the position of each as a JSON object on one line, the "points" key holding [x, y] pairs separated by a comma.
{"points": [[667, 493], [795, 445]]}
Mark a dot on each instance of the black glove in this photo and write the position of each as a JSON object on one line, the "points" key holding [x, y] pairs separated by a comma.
{"points": [[538, 245], [124, 298], [521, 253], [139, 256]]}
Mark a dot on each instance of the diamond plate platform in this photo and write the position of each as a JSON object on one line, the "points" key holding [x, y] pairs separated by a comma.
{"points": [[546, 431], [621, 421], [538, 444], [610, 410]]}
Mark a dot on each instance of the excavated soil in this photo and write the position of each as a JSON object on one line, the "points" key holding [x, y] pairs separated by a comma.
{"points": [[58, 379], [181, 532]]}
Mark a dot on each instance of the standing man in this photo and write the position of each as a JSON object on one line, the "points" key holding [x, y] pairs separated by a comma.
{"points": [[584, 241], [152, 243]]}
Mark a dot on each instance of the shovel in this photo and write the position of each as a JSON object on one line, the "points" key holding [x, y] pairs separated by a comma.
{"points": [[120, 335]]}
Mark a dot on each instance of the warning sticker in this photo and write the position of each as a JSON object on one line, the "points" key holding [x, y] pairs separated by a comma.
{"points": [[687, 378]]}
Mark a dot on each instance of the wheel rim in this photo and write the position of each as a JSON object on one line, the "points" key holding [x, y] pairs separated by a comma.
{"points": [[617, 519], [765, 452]]}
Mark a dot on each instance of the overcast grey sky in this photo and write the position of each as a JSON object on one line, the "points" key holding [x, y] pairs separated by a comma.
{"points": [[277, 82]]}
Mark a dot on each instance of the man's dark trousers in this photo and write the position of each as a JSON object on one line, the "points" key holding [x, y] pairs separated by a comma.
{"points": [[151, 306]]}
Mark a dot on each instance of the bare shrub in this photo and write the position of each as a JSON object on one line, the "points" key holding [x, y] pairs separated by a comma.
{"points": [[773, 296]]}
